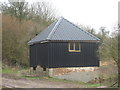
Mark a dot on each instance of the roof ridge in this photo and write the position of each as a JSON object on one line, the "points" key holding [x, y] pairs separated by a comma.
{"points": [[82, 30], [54, 28]]}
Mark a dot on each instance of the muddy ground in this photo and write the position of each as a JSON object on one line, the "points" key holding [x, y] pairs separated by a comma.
{"points": [[25, 83]]}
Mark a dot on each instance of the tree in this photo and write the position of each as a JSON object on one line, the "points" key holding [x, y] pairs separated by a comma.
{"points": [[88, 29], [114, 51], [41, 11], [19, 25], [18, 9], [104, 51]]}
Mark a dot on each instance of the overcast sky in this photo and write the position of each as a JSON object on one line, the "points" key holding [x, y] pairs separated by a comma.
{"points": [[93, 13]]}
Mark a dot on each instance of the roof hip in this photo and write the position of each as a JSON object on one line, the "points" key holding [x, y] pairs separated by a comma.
{"points": [[55, 27]]}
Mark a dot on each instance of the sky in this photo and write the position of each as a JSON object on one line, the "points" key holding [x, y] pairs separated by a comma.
{"points": [[92, 13]]}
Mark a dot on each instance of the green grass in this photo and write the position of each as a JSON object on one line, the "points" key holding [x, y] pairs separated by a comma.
{"points": [[0, 70], [92, 85], [9, 70], [17, 71], [30, 77]]}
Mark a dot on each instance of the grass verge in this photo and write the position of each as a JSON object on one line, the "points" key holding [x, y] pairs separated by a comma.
{"points": [[9, 70], [15, 71]]}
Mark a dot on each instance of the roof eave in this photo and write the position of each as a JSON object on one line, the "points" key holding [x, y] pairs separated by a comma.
{"points": [[43, 41]]}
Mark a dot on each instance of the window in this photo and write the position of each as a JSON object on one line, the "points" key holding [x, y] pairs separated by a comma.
{"points": [[74, 47]]}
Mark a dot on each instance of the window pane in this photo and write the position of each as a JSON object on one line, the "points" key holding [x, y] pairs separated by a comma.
{"points": [[71, 46], [77, 46]]}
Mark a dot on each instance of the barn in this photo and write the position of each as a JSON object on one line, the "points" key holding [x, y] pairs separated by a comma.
{"points": [[63, 44]]}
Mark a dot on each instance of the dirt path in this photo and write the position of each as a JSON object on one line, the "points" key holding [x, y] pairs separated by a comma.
{"points": [[23, 83]]}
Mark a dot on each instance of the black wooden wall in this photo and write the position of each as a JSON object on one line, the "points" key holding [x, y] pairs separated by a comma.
{"points": [[56, 54], [59, 56], [39, 55]]}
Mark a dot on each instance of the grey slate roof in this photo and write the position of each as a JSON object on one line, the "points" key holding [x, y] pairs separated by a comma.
{"points": [[62, 30]]}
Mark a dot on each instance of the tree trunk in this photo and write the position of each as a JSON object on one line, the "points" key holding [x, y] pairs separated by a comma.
{"points": [[118, 61], [119, 57], [118, 74]]}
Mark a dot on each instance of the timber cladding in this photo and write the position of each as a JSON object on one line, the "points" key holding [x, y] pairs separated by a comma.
{"points": [[56, 54], [64, 58]]}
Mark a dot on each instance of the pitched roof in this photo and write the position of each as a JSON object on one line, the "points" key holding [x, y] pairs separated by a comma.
{"points": [[63, 30]]}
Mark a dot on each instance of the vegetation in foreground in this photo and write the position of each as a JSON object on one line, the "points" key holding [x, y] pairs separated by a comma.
{"points": [[107, 78], [13, 73]]}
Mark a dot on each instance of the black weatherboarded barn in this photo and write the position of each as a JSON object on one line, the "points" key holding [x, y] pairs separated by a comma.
{"points": [[63, 44]]}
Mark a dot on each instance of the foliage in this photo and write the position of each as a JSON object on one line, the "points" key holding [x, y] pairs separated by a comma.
{"points": [[41, 11], [20, 23], [17, 9], [14, 40], [108, 45], [104, 44], [88, 29]]}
